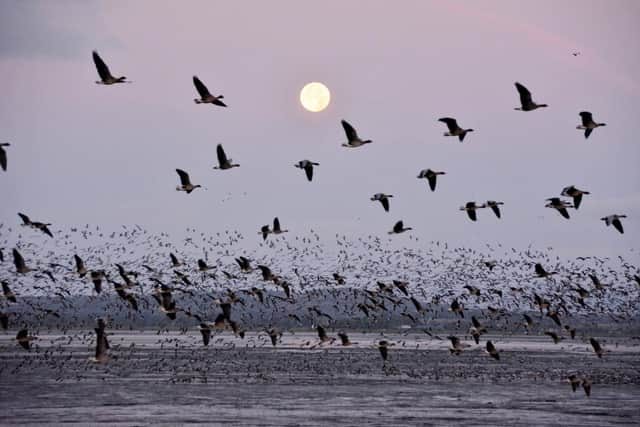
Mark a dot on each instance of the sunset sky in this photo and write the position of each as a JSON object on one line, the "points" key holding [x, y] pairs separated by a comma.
{"points": [[106, 155]]}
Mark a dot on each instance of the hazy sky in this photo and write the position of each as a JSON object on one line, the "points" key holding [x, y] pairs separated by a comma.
{"points": [[105, 155]]}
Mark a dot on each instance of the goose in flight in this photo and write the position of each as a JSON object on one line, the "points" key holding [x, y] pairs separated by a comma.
{"points": [[96, 278], [615, 221], [454, 129], [24, 339], [353, 140], [307, 165], [18, 261], [80, 268], [223, 162], [526, 102], [101, 344], [276, 227], [457, 346], [559, 205], [3, 156], [399, 228], [495, 206], [185, 182], [596, 347], [7, 293], [471, 208], [383, 347], [431, 176], [492, 351], [541, 272], [383, 199], [245, 264], [205, 95], [174, 261], [588, 124], [205, 330], [103, 71], [572, 191], [26, 222]]}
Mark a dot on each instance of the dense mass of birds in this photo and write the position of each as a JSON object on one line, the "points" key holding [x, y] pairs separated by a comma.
{"points": [[287, 285]]}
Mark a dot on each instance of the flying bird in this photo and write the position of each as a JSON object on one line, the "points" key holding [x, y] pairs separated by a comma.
{"points": [[383, 199], [399, 228], [223, 162], [493, 352], [526, 102], [454, 129], [596, 347], [541, 272], [276, 227], [205, 330], [572, 191], [26, 222], [353, 140], [7, 293], [307, 165], [18, 261], [588, 124], [559, 205], [24, 339], [431, 177], [245, 264], [3, 155], [103, 71], [495, 206], [471, 208], [205, 95], [615, 221], [185, 182], [101, 344]]}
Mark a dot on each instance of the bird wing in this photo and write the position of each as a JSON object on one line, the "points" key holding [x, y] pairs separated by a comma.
{"points": [[25, 219], [3, 159], [103, 70], [184, 177], [577, 199], [618, 225], [563, 212], [432, 179], [525, 95], [308, 170], [398, 227], [450, 122], [385, 203], [174, 260], [587, 132], [596, 345], [587, 118], [496, 209], [472, 214], [222, 157], [206, 335], [352, 135], [79, 263], [18, 260], [276, 225], [201, 88]]}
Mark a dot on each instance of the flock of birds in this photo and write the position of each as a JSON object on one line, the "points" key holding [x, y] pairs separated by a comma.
{"points": [[398, 295]]}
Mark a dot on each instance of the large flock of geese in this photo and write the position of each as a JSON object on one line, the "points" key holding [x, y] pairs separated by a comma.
{"points": [[555, 304]]}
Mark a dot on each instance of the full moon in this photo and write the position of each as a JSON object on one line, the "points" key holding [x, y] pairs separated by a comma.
{"points": [[315, 96]]}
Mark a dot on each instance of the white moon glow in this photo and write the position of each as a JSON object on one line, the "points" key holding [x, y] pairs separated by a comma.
{"points": [[315, 96]]}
